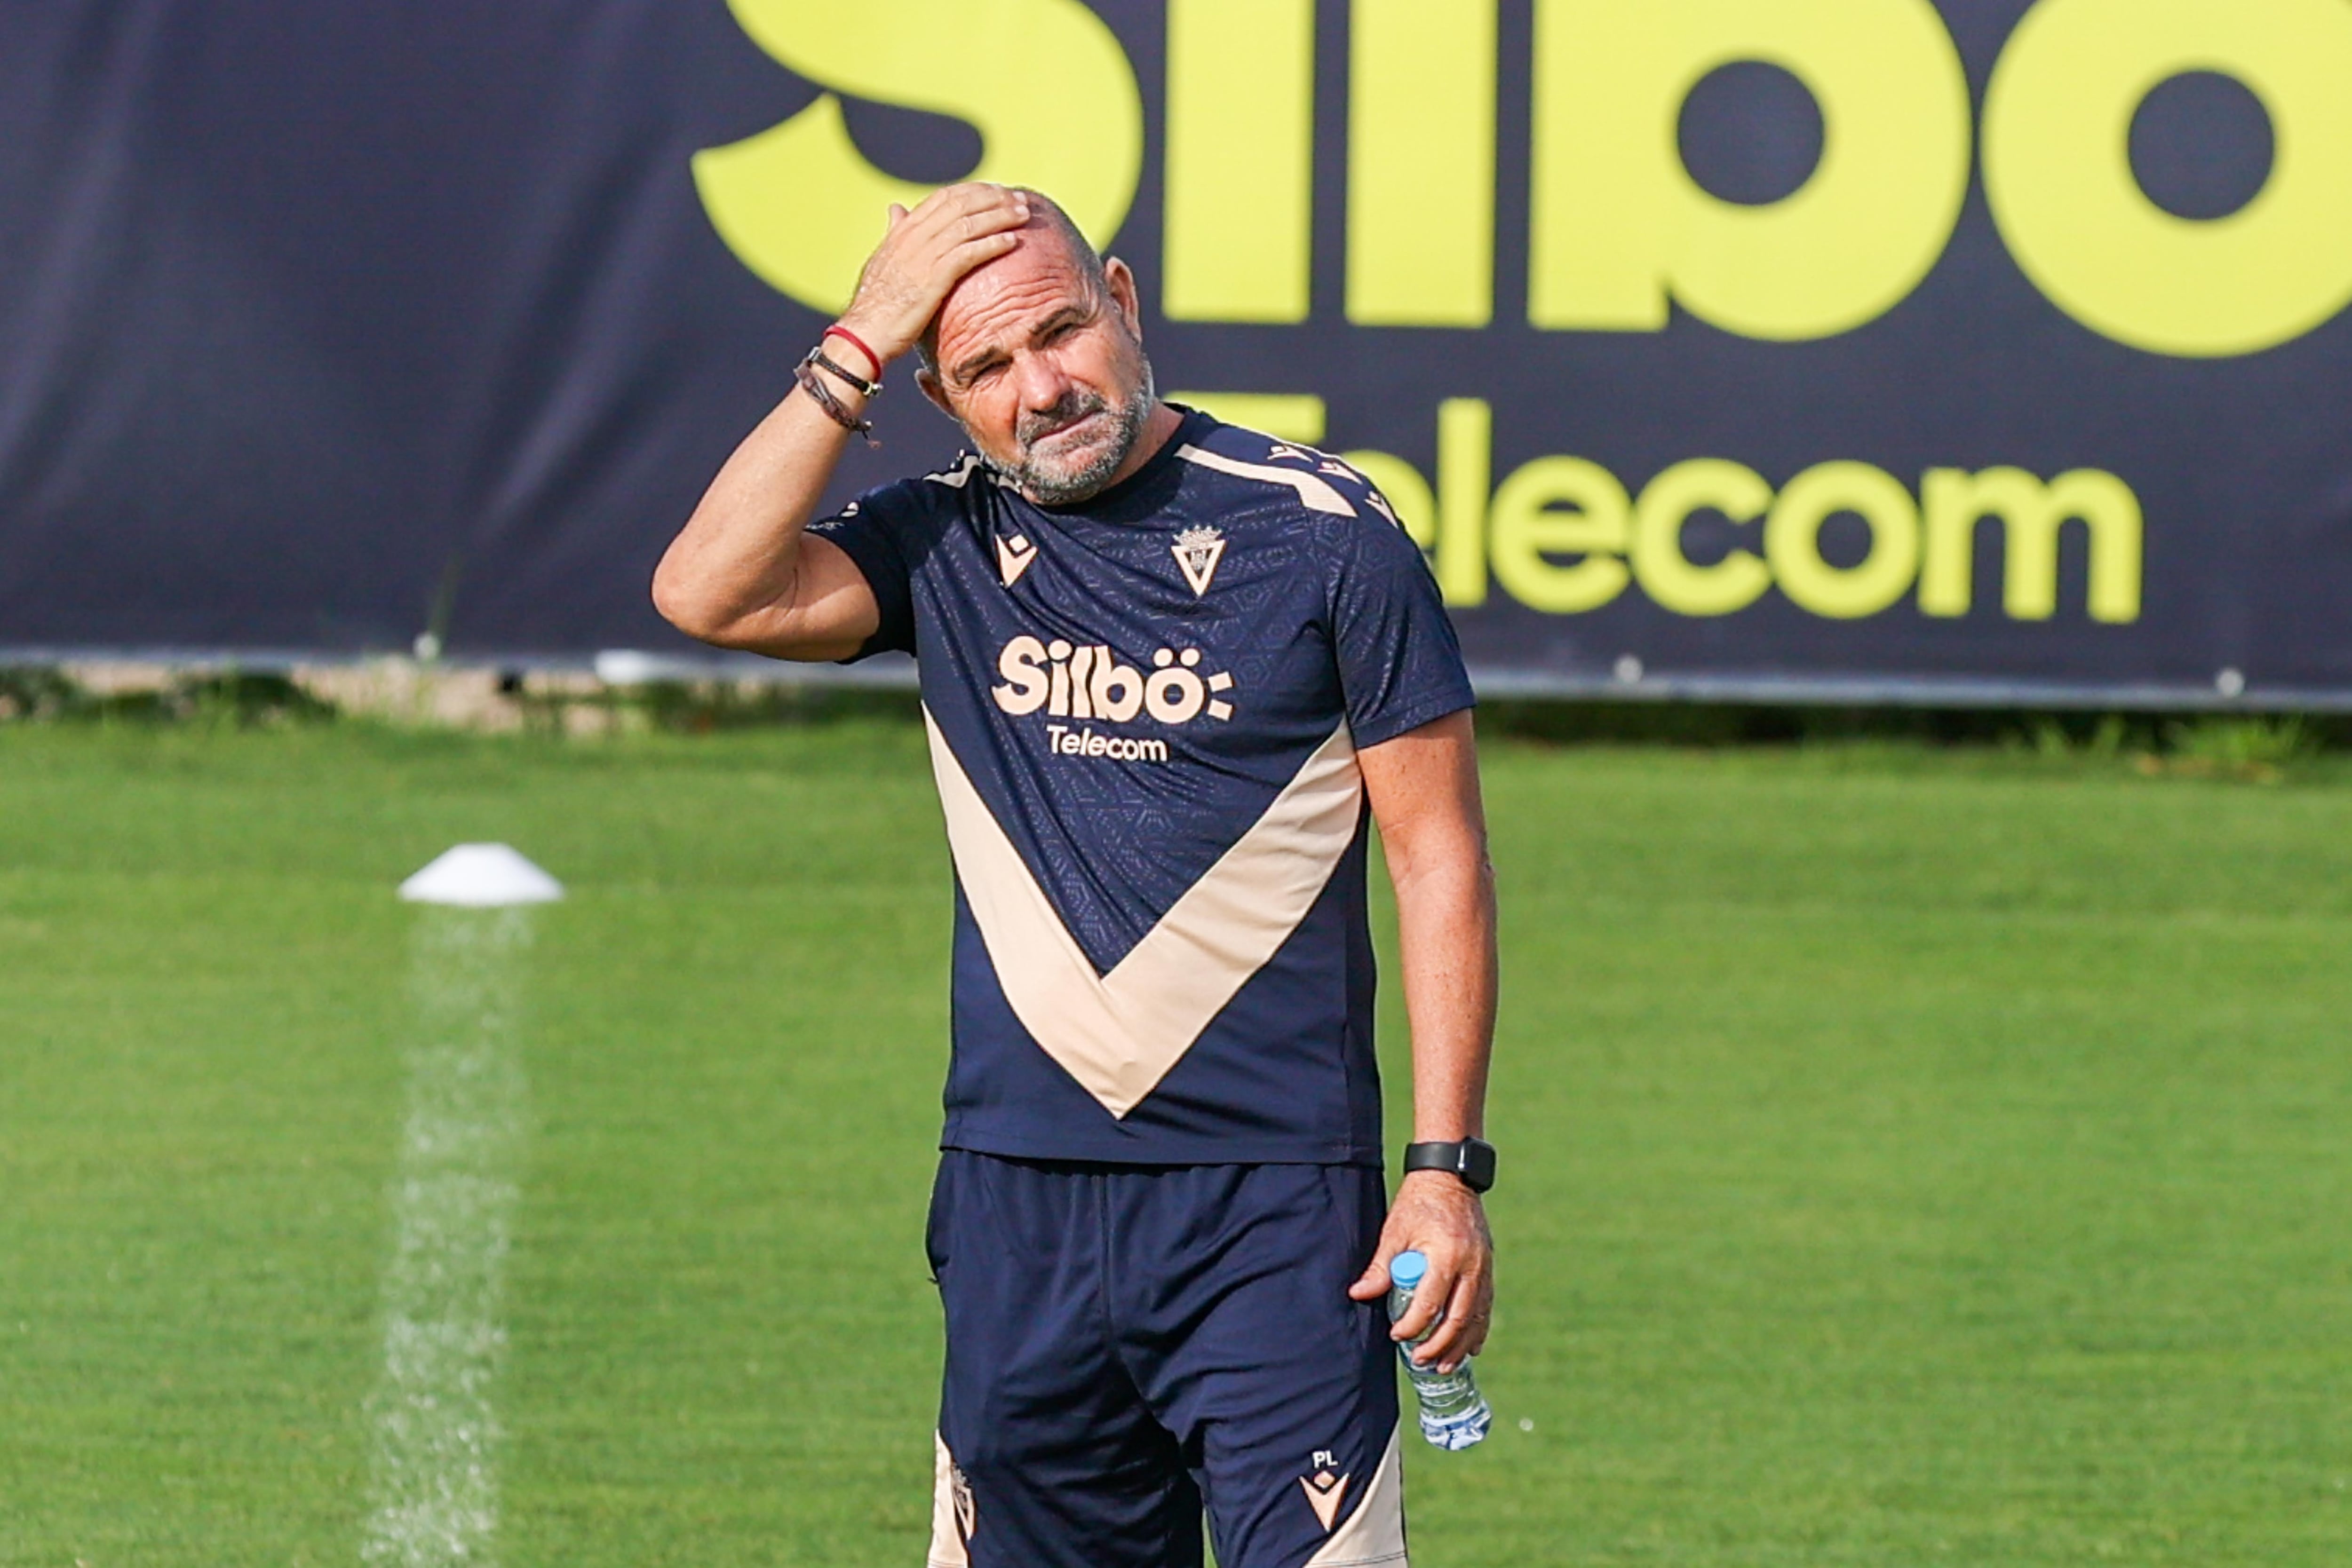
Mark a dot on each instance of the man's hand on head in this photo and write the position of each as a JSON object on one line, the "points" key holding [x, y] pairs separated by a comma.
{"points": [[925, 253], [1441, 1218]]}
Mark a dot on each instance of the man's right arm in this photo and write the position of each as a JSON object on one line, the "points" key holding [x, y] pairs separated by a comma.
{"points": [[743, 572]]}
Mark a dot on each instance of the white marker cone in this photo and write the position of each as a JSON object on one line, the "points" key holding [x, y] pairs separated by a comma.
{"points": [[481, 876]]}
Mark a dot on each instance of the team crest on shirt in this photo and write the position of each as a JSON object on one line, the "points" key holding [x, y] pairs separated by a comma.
{"points": [[1198, 550], [1324, 1491]]}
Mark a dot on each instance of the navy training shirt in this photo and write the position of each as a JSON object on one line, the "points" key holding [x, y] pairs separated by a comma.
{"points": [[1143, 713]]}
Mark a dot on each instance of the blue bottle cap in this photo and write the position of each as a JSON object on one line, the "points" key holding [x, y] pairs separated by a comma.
{"points": [[1407, 1267]]}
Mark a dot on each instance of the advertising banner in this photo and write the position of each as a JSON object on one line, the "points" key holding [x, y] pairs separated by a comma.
{"points": [[1801, 349]]}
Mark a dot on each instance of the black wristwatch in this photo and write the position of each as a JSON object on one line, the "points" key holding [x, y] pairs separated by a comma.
{"points": [[1472, 1159]]}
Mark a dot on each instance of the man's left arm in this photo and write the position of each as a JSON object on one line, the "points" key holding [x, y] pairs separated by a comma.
{"points": [[1423, 790]]}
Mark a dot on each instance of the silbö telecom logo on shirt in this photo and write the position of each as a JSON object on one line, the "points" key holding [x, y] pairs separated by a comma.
{"points": [[1087, 681]]}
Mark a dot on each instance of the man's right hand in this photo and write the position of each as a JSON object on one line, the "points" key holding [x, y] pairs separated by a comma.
{"points": [[925, 253], [741, 574]]}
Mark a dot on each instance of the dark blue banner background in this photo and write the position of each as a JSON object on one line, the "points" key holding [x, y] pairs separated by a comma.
{"points": [[315, 319]]}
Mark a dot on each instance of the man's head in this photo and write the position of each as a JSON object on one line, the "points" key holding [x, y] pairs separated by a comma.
{"points": [[1039, 355]]}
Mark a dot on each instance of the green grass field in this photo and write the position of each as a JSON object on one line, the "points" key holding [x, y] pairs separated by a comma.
{"points": [[1910, 1158]]}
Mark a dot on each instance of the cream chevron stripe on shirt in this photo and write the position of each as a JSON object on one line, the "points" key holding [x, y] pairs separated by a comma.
{"points": [[1315, 494], [1118, 1034]]}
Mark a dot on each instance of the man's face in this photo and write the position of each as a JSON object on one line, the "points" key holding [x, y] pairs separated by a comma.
{"points": [[1044, 371]]}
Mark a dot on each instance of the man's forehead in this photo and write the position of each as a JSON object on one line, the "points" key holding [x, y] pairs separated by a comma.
{"points": [[995, 302]]}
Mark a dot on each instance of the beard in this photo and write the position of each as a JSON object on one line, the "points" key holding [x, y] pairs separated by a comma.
{"points": [[1058, 470]]}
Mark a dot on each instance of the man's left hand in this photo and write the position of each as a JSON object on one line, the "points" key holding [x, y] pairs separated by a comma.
{"points": [[1438, 1218]]}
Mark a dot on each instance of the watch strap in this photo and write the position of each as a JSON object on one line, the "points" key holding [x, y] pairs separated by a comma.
{"points": [[1472, 1160]]}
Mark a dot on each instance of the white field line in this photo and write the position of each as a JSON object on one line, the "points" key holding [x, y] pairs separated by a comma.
{"points": [[434, 1494]]}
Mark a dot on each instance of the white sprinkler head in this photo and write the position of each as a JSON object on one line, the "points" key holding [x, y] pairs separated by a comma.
{"points": [[481, 876]]}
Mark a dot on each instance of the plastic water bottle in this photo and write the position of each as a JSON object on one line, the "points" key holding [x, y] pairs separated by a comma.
{"points": [[1454, 1414]]}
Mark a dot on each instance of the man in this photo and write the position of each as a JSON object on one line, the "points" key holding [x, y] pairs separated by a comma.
{"points": [[1166, 664]]}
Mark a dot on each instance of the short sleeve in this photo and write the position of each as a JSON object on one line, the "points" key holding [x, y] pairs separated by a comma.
{"points": [[1400, 662], [884, 532]]}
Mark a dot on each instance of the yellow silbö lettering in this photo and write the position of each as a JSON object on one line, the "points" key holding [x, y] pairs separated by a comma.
{"points": [[1560, 536], [1045, 81], [1465, 447], [1421, 162], [1619, 228], [1561, 507], [2058, 171], [2031, 513], [1793, 540], [1670, 578], [1241, 160]]}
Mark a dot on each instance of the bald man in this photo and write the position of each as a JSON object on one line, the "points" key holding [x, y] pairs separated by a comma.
{"points": [[1170, 669]]}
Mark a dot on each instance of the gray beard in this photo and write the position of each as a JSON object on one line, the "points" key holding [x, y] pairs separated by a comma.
{"points": [[1064, 487]]}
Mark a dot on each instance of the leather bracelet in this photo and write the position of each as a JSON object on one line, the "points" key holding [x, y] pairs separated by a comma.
{"points": [[821, 395], [858, 343], [823, 361]]}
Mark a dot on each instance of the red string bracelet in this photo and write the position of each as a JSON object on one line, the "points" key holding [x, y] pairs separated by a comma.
{"points": [[858, 343]]}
